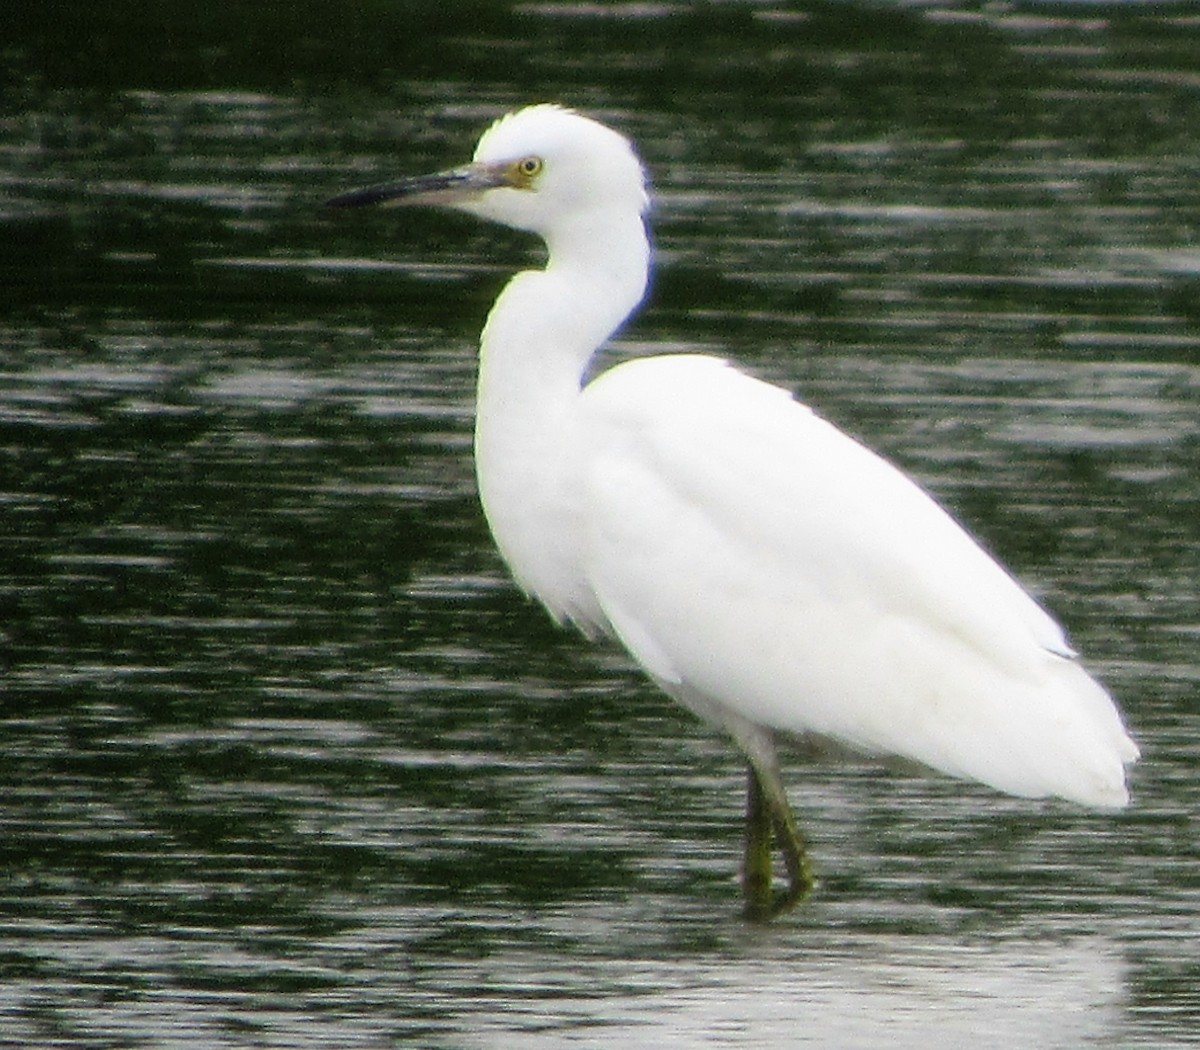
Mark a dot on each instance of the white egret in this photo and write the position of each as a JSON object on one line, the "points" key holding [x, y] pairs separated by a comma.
{"points": [[765, 569]]}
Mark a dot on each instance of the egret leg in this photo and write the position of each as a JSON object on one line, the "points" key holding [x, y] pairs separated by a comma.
{"points": [[756, 865], [769, 819]]}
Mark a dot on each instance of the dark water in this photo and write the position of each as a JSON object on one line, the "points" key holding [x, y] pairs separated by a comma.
{"points": [[284, 759]]}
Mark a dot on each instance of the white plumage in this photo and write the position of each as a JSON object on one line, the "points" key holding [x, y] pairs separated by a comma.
{"points": [[764, 568]]}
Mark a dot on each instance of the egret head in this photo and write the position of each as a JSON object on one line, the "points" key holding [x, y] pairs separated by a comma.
{"points": [[535, 169]]}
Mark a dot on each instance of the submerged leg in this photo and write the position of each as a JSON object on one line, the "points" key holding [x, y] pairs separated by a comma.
{"points": [[756, 864], [769, 816]]}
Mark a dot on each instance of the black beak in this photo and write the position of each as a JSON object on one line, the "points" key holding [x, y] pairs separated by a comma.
{"points": [[456, 186]]}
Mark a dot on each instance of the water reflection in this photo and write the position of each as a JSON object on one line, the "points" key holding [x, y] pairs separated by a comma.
{"points": [[862, 992], [283, 758]]}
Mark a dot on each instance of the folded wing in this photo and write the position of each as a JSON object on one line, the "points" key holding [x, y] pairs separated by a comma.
{"points": [[749, 553]]}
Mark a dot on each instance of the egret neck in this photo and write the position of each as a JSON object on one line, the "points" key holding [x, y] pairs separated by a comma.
{"points": [[540, 336]]}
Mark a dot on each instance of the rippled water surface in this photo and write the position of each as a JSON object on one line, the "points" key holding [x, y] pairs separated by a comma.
{"points": [[284, 758]]}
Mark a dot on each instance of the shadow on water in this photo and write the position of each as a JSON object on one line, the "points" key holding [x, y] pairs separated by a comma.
{"points": [[284, 759]]}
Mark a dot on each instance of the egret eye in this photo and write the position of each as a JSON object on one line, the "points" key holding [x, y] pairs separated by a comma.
{"points": [[523, 173]]}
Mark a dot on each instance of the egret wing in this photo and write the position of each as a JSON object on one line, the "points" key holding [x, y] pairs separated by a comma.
{"points": [[749, 552]]}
